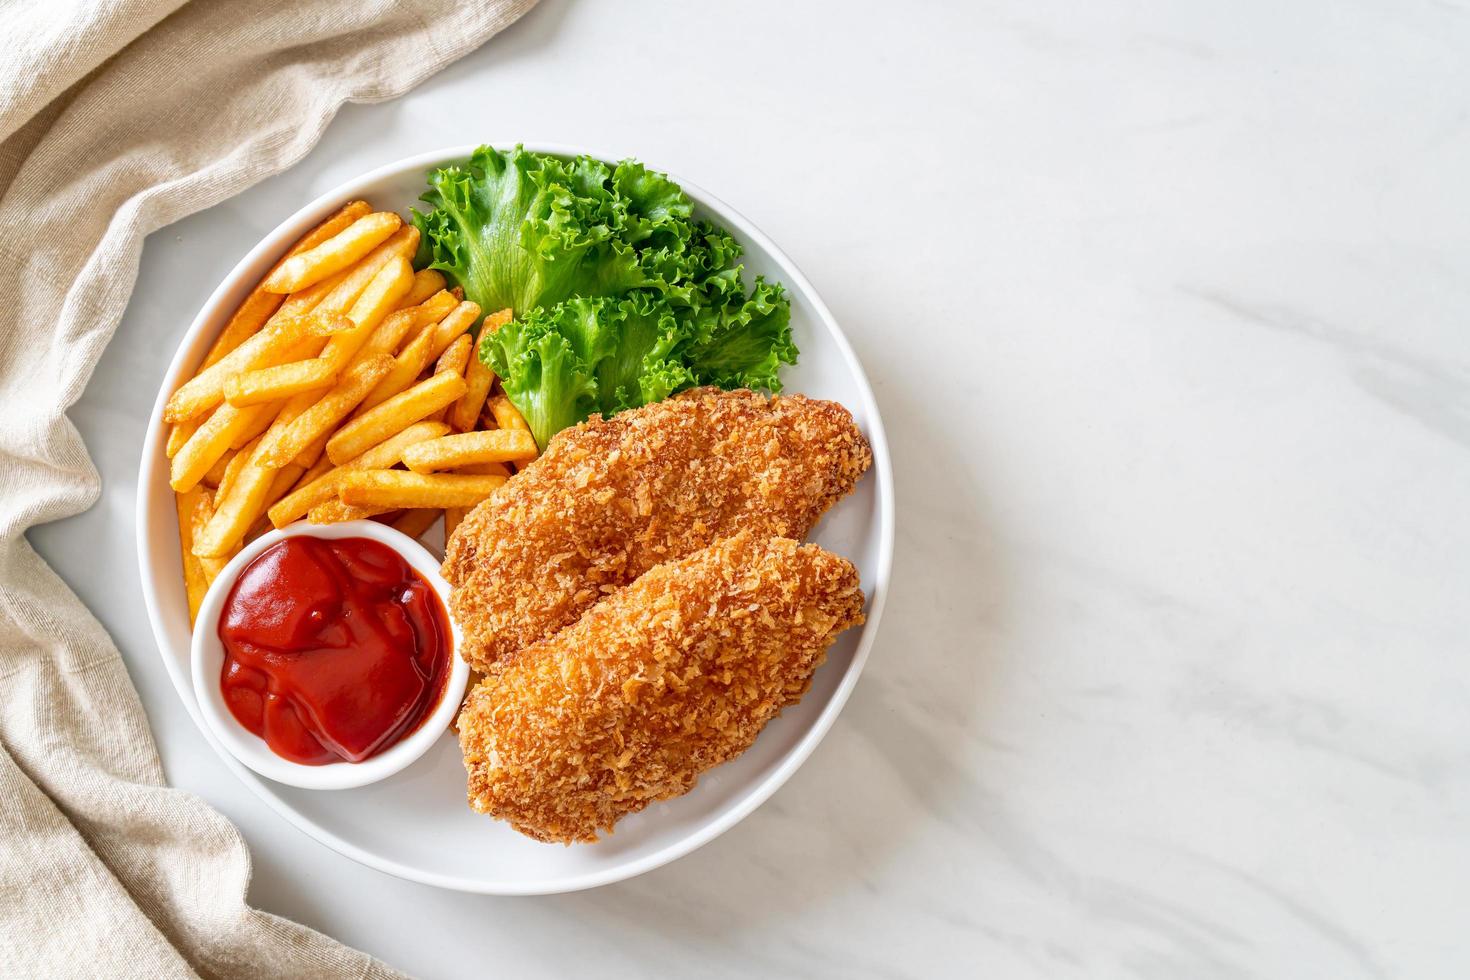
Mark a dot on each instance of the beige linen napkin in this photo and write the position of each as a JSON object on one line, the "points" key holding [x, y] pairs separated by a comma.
{"points": [[118, 117]]}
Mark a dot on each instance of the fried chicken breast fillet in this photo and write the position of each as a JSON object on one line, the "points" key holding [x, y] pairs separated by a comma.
{"points": [[657, 683], [611, 498]]}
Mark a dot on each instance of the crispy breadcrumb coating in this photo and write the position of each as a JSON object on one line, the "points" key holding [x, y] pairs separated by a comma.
{"points": [[611, 498], [662, 680]]}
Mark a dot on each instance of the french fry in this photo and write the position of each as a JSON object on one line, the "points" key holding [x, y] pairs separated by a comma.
{"points": [[333, 255], [279, 381], [216, 474], [211, 441], [283, 481], [478, 380], [323, 486], [407, 366], [282, 444], [456, 356], [494, 321], [415, 522], [396, 488], [207, 388], [352, 282], [261, 423], [389, 334], [321, 467], [290, 411], [394, 415], [452, 517], [415, 355], [199, 520], [260, 305], [387, 287], [195, 584], [454, 360], [485, 469], [335, 512], [178, 435], [460, 319], [426, 282], [507, 416], [237, 460], [464, 448], [314, 453], [233, 461], [238, 507], [435, 309]]}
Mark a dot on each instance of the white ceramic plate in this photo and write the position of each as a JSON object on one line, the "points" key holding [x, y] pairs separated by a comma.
{"points": [[416, 824]]}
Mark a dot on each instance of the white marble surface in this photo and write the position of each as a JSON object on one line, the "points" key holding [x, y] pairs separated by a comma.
{"points": [[1165, 305]]}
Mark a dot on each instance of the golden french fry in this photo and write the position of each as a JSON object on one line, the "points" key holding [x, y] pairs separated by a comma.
{"points": [[323, 486], [389, 334], [283, 443], [396, 488], [454, 360], [216, 474], [377, 300], [261, 423], [507, 416], [415, 522], [237, 462], [211, 441], [460, 319], [452, 517], [259, 306], [195, 585], [203, 511], [465, 448], [426, 282], [435, 308], [420, 321], [401, 244], [279, 381], [485, 469], [252, 314], [290, 410], [407, 366], [335, 512], [238, 507], [479, 379], [333, 255], [456, 356], [178, 435], [494, 321], [394, 415], [207, 388], [315, 470], [283, 481], [314, 453]]}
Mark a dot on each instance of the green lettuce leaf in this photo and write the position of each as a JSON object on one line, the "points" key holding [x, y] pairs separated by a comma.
{"points": [[745, 343], [621, 297]]}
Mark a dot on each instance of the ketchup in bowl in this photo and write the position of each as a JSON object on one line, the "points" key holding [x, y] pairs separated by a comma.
{"points": [[334, 649]]}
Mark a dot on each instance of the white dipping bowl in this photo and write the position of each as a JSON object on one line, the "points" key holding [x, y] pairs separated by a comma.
{"points": [[208, 658]]}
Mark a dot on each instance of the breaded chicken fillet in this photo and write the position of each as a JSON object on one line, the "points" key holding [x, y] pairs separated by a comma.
{"points": [[662, 680], [611, 498]]}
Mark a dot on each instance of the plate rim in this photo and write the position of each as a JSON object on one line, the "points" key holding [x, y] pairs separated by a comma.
{"points": [[881, 471]]}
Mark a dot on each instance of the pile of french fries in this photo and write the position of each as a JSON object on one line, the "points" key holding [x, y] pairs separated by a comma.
{"points": [[344, 387]]}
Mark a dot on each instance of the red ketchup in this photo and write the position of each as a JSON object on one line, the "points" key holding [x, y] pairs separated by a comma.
{"points": [[334, 649]]}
